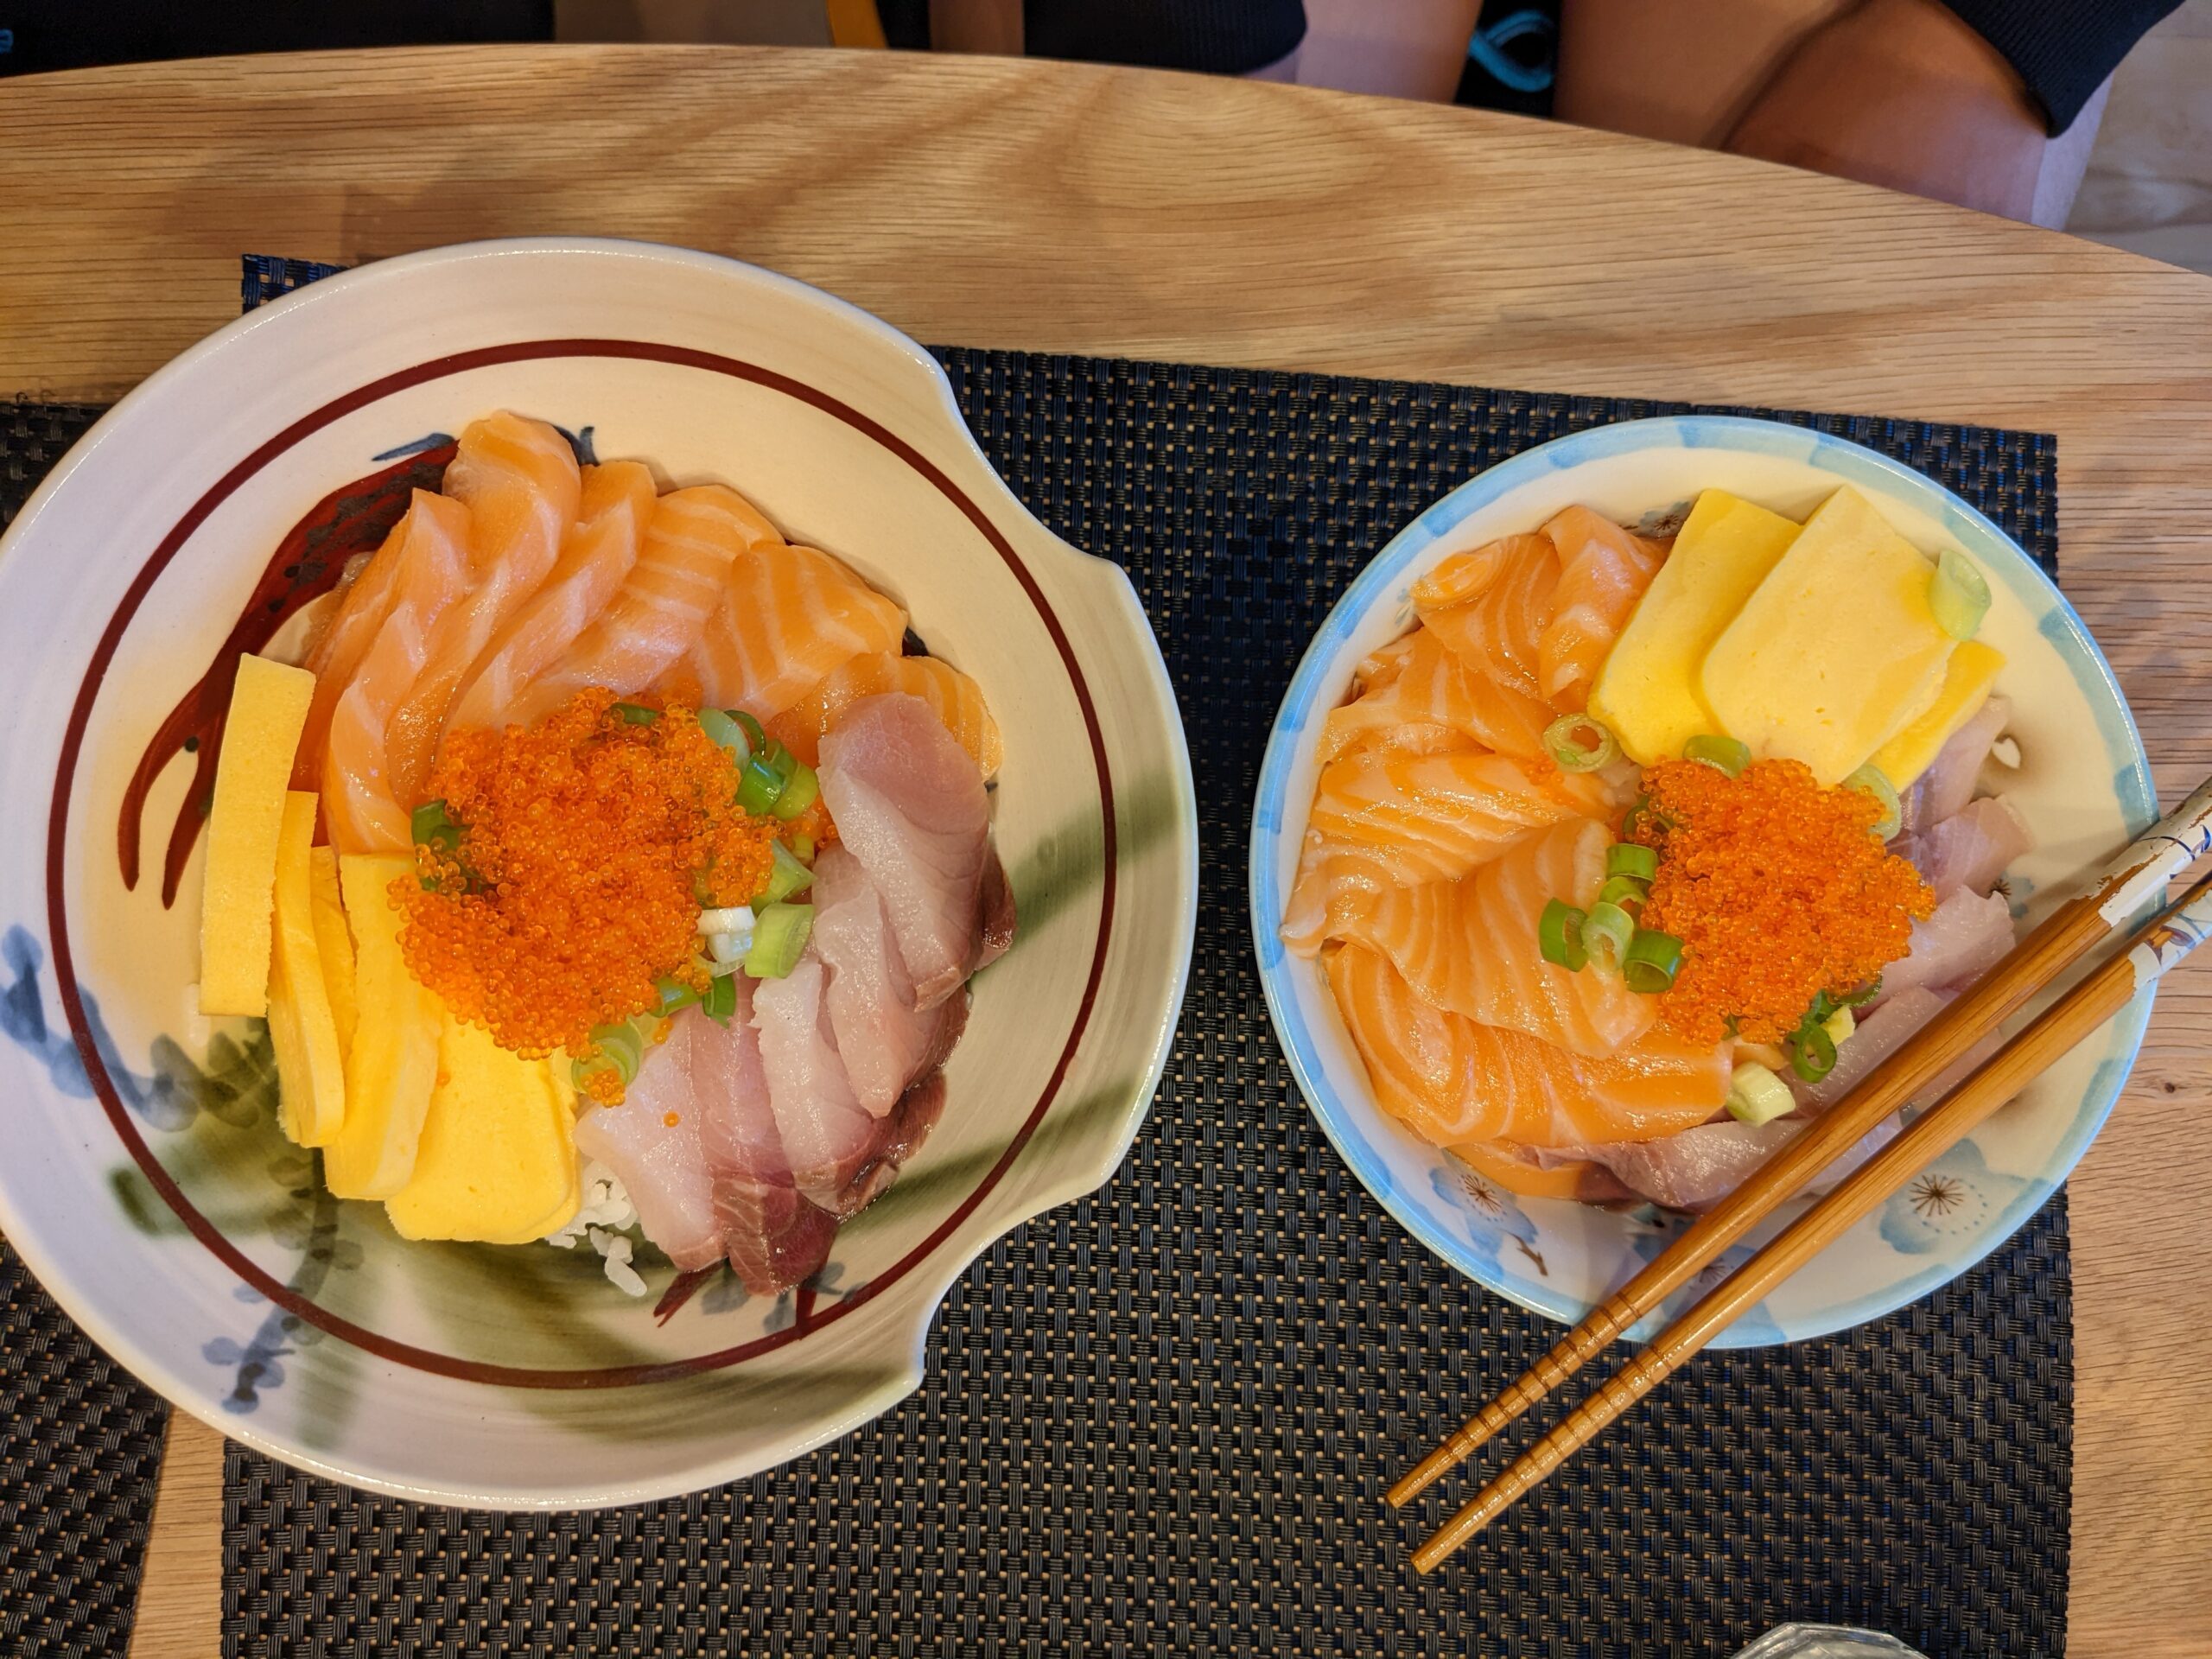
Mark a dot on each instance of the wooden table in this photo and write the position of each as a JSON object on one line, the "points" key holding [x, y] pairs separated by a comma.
{"points": [[1080, 209]]}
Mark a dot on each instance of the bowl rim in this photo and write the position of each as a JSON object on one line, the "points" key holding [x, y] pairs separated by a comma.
{"points": [[944, 1263], [1376, 585]]}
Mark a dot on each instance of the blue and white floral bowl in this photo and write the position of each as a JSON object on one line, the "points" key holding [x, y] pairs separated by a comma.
{"points": [[2084, 787], [145, 1181]]}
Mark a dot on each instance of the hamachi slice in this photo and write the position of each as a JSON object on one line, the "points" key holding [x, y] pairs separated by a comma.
{"points": [[1443, 814], [1491, 608], [1968, 934], [336, 654], [828, 1136], [956, 700], [614, 505], [1969, 850], [909, 804], [1696, 1169], [692, 542], [904, 1132], [1943, 791], [772, 1233], [519, 482], [790, 617], [1603, 571], [1452, 1080], [360, 807], [1470, 946], [651, 1143], [1431, 687], [885, 1043]]}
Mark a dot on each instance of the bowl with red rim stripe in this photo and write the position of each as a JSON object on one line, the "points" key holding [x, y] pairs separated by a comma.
{"points": [[146, 1184], [2084, 787]]}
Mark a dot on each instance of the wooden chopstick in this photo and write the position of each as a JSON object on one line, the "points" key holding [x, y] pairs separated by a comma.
{"points": [[2061, 939], [2101, 993]]}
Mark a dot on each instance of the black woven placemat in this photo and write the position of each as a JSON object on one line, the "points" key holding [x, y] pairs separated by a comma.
{"points": [[1161, 1419], [80, 1440]]}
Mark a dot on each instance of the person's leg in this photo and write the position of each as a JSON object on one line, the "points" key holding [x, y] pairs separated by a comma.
{"points": [[1896, 92], [1684, 71]]}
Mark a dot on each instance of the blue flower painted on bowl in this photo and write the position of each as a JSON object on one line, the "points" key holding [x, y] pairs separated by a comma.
{"points": [[1489, 1216], [1954, 1197]]}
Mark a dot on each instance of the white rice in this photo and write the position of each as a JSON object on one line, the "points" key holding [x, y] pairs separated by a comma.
{"points": [[604, 1219]]}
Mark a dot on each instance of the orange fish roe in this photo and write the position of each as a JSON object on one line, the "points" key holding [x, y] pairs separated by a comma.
{"points": [[1777, 889], [588, 846]]}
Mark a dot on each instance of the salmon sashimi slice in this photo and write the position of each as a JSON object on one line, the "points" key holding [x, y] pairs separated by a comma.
{"points": [[1603, 571], [791, 617], [1465, 576], [614, 505], [1470, 946], [360, 807], [694, 539], [1452, 1080], [1444, 813], [1429, 686], [1383, 664], [952, 696], [520, 481], [1496, 628], [343, 641]]}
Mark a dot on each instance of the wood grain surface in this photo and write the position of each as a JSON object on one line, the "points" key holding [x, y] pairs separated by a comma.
{"points": [[1076, 208]]}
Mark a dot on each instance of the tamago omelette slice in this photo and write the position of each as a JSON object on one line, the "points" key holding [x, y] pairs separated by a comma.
{"points": [[1648, 691], [269, 707]]}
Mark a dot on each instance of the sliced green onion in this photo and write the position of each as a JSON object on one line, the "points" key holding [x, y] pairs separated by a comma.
{"points": [[674, 994], [800, 793], [724, 949], [1625, 891], [1812, 1053], [1840, 1025], [636, 714], [434, 826], [1959, 594], [621, 1047], [759, 786], [730, 918], [1559, 935], [756, 735], [803, 847], [1626, 858], [721, 1000], [785, 877], [777, 939], [725, 732], [1606, 931], [1579, 743], [1652, 961], [1757, 1096], [1726, 754], [1876, 783]]}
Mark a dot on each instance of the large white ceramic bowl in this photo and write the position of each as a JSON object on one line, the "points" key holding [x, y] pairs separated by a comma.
{"points": [[145, 1181], [2085, 790]]}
